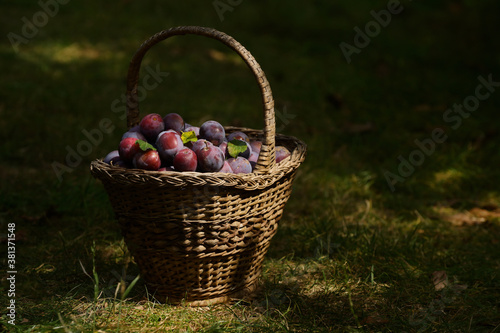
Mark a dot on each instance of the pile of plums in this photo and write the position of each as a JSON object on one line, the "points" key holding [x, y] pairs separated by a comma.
{"points": [[170, 144]]}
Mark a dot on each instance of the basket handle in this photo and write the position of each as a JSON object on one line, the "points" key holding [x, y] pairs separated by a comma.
{"points": [[267, 159]]}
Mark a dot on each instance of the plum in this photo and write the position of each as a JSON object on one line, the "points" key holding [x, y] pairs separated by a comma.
{"points": [[223, 147], [174, 121], [210, 158], [246, 154], [111, 157], [226, 168], [121, 163], [281, 153], [256, 145], [195, 129], [134, 134], [213, 132], [238, 135], [168, 144], [151, 125], [147, 160], [128, 148], [185, 160], [253, 158], [239, 165], [202, 143]]}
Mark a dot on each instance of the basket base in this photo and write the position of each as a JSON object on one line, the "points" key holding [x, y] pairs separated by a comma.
{"points": [[246, 294]]}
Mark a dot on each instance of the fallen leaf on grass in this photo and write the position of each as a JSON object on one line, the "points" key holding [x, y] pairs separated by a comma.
{"points": [[484, 213], [440, 280], [458, 218], [464, 218], [474, 216]]}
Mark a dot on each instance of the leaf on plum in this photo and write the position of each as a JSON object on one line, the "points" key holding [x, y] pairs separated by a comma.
{"points": [[189, 136], [235, 147], [145, 146]]}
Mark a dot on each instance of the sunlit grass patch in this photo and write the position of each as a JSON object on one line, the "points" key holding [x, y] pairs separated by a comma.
{"points": [[68, 53]]}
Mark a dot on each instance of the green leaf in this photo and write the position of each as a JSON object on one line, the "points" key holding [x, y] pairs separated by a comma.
{"points": [[129, 288], [189, 136], [235, 147], [145, 146]]}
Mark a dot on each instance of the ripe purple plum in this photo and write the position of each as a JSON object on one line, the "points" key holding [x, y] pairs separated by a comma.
{"points": [[128, 148], [240, 165], [195, 129], [121, 163], [112, 157], [256, 145], [223, 147], [174, 121], [202, 143], [253, 158], [281, 153], [226, 168], [246, 154], [147, 160], [134, 134], [168, 144], [210, 158], [185, 160], [238, 135], [152, 125], [213, 132]]}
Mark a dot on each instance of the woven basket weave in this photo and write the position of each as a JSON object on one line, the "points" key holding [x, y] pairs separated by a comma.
{"points": [[200, 238]]}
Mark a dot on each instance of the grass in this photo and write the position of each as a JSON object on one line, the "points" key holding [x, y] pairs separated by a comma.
{"points": [[350, 255]]}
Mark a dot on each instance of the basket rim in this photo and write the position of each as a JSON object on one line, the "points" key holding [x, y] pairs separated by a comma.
{"points": [[251, 181]]}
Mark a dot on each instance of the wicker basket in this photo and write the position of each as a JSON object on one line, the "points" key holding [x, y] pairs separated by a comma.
{"points": [[200, 238]]}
